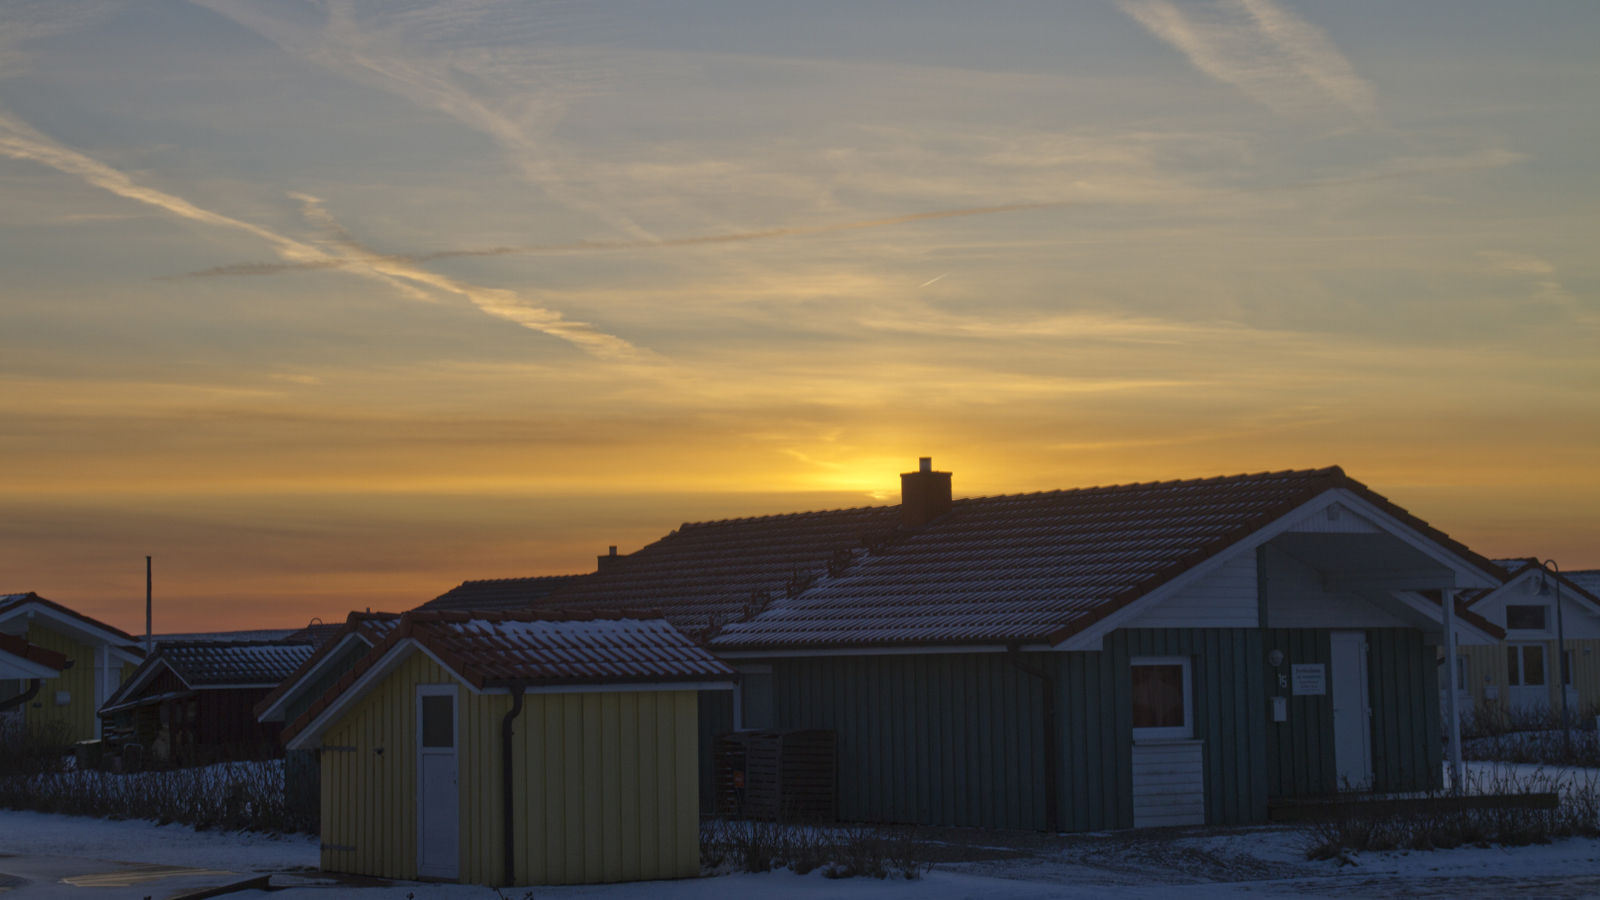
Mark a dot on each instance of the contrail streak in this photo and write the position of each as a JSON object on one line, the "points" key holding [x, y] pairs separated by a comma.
{"points": [[20, 141], [930, 281], [260, 268]]}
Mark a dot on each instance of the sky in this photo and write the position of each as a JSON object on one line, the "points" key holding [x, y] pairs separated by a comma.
{"points": [[334, 305]]}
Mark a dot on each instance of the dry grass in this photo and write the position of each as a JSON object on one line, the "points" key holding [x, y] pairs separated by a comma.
{"points": [[839, 851], [1577, 814]]}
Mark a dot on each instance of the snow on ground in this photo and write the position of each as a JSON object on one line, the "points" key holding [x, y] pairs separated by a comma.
{"points": [[1196, 864], [44, 834], [1487, 777]]}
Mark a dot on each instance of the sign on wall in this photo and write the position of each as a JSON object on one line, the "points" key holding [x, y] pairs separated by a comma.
{"points": [[1310, 679]]}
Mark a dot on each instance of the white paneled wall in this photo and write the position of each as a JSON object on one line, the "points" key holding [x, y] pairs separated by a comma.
{"points": [[1224, 598], [1169, 785]]}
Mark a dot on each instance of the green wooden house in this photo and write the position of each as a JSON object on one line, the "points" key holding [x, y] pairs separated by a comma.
{"points": [[1148, 654]]}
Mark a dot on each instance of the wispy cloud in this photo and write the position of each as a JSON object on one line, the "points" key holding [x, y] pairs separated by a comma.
{"points": [[1264, 50], [514, 87], [20, 140]]}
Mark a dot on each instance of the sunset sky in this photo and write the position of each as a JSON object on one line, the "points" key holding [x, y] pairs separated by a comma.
{"points": [[335, 305]]}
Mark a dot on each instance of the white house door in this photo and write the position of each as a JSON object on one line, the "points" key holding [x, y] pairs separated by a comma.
{"points": [[1525, 677], [438, 797], [1352, 717]]}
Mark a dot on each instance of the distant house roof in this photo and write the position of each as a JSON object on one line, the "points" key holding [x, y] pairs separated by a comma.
{"points": [[500, 649], [1026, 567], [500, 593], [1582, 584], [318, 633], [12, 605], [1588, 579], [271, 634], [369, 627], [233, 663]]}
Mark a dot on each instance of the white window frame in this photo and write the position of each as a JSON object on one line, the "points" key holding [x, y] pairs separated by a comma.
{"points": [[1170, 733]]}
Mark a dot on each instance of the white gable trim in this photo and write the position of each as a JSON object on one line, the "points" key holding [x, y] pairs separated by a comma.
{"points": [[79, 630], [383, 668], [1528, 574], [142, 677], [1472, 633], [275, 712], [1467, 575]]}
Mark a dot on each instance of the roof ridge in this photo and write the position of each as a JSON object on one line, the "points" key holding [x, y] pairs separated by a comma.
{"points": [[530, 615], [789, 515], [516, 578], [1325, 471]]}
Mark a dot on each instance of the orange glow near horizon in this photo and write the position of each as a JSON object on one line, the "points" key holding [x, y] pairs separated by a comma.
{"points": [[766, 257]]}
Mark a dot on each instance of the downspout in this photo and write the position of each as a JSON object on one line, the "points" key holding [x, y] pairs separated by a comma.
{"points": [[22, 698], [518, 690], [1047, 688]]}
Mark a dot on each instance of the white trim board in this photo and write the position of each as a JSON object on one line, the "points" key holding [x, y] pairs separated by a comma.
{"points": [[1092, 637], [275, 712]]}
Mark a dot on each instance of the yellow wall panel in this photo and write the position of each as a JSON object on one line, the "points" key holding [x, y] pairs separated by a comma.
{"points": [[606, 784], [78, 716]]}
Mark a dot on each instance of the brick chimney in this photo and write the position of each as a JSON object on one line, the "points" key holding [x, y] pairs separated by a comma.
{"points": [[924, 494], [607, 560]]}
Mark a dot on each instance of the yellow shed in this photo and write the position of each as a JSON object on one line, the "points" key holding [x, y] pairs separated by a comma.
{"points": [[514, 748]]}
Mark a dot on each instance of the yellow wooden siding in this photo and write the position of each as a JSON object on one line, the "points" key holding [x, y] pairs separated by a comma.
{"points": [[369, 799], [79, 715], [607, 784], [1490, 661]]}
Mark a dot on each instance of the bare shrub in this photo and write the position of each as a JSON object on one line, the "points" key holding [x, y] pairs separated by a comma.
{"points": [[840, 851], [1442, 826], [1523, 735], [33, 748], [224, 797]]}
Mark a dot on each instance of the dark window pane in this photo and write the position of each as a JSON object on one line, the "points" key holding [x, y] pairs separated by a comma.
{"points": [[1525, 617], [1512, 669], [438, 721], [1533, 665], [1158, 697]]}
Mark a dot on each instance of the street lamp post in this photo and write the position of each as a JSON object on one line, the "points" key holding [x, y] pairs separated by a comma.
{"points": [[1561, 651]]}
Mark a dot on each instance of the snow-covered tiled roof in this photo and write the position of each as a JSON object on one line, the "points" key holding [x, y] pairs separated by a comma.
{"points": [[233, 663], [498, 649], [1003, 569]]}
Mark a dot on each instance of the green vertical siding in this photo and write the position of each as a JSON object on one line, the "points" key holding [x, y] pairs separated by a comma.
{"points": [[1094, 715], [1300, 751], [1230, 712], [716, 717], [956, 739], [1403, 681], [937, 739]]}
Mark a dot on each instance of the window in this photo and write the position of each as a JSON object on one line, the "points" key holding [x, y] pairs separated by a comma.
{"points": [[438, 720], [1525, 618], [1525, 665], [1161, 704]]}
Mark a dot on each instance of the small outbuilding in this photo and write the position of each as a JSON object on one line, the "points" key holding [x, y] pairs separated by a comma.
{"points": [[514, 748], [192, 702]]}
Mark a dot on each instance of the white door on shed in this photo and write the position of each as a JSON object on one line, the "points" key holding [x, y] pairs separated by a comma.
{"points": [[1352, 712], [438, 796]]}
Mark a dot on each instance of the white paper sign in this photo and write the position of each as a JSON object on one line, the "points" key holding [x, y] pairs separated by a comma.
{"points": [[1309, 679]]}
